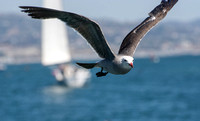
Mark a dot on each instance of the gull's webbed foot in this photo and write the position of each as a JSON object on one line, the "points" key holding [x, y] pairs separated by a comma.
{"points": [[101, 73]]}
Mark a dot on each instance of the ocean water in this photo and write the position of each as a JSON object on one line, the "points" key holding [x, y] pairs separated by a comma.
{"points": [[164, 91]]}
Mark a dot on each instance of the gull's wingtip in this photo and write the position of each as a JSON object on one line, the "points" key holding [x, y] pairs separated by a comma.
{"points": [[28, 7], [24, 7], [21, 6], [169, 1]]}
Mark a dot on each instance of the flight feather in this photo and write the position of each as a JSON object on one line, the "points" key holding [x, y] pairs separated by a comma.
{"points": [[131, 41], [90, 30]]}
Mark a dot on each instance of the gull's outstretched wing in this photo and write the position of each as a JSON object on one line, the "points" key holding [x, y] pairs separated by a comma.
{"points": [[132, 40], [87, 28]]}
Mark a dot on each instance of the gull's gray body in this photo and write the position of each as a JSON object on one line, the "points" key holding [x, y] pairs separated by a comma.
{"points": [[117, 66], [120, 63]]}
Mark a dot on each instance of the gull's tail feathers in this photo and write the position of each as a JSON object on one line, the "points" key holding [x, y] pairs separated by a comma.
{"points": [[87, 65]]}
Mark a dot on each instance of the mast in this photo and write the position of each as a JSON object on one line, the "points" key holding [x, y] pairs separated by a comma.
{"points": [[55, 48]]}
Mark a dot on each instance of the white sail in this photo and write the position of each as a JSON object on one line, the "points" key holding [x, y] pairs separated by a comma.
{"points": [[54, 38]]}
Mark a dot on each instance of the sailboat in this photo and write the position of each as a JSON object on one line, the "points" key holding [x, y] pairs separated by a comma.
{"points": [[56, 52]]}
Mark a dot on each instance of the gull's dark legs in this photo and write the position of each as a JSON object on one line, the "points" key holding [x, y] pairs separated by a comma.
{"points": [[101, 73]]}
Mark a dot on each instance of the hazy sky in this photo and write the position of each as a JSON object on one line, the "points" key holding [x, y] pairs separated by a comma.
{"points": [[121, 10]]}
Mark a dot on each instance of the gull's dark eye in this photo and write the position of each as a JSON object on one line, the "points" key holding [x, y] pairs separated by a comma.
{"points": [[125, 60]]}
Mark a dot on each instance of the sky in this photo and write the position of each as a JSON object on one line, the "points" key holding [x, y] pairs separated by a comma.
{"points": [[119, 10]]}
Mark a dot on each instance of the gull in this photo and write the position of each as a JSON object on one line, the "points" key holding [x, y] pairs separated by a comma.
{"points": [[117, 64]]}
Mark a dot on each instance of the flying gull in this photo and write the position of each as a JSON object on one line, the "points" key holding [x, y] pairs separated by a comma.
{"points": [[120, 63]]}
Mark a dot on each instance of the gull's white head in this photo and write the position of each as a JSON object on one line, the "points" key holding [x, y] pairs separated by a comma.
{"points": [[127, 61]]}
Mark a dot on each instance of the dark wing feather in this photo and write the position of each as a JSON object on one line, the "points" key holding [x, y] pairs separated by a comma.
{"points": [[87, 28], [132, 40]]}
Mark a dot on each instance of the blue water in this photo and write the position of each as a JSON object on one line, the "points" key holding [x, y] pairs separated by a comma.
{"points": [[165, 91]]}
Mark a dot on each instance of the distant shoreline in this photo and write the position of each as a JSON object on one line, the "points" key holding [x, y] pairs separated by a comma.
{"points": [[21, 39]]}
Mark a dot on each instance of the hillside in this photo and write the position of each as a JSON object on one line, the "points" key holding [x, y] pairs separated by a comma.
{"points": [[20, 39]]}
